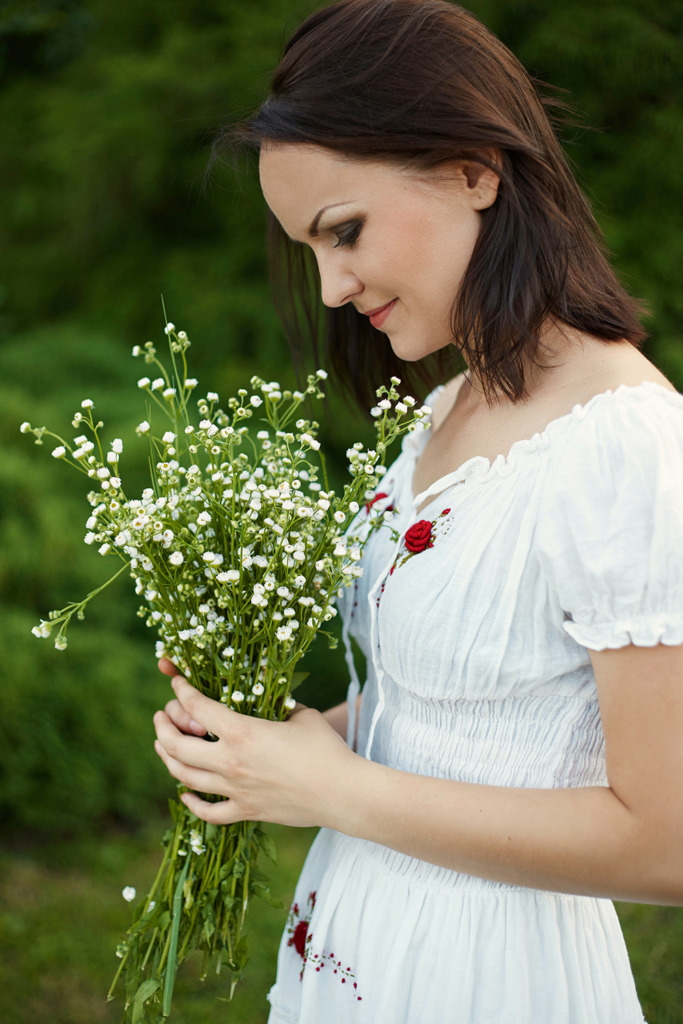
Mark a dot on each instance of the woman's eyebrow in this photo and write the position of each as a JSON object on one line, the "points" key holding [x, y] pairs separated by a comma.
{"points": [[313, 229]]}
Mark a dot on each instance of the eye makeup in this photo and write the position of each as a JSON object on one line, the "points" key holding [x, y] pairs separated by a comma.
{"points": [[348, 233]]}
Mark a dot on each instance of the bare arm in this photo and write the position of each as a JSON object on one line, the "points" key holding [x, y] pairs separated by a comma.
{"points": [[622, 841], [338, 718]]}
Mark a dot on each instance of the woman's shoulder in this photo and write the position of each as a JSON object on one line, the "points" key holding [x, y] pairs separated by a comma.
{"points": [[626, 397], [609, 366]]}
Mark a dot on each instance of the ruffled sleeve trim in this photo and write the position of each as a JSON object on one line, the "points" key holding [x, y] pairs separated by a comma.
{"points": [[645, 632]]}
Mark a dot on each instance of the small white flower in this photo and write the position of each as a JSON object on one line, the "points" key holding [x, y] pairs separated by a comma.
{"points": [[169, 437], [310, 441], [237, 696], [87, 403], [103, 473], [227, 653], [115, 482], [90, 538], [129, 893], [256, 401], [290, 703], [401, 407], [257, 689], [137, 351], [212, 558], [231, 576], [375, 412], [339, 517], [196, 842], [299, 581], [211, 396], [169, 328], [190, 382], [104, 548], [176, 558], [283, 633], [142, 428], [59, 452], [157, 383], [384, 404], [144, 382], [204, 518], [321, 374]]}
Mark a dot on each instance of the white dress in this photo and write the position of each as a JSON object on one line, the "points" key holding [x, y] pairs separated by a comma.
{"points": [[478, 668]]}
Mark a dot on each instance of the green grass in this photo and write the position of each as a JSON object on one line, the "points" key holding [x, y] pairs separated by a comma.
{"points": [[61, 916]]}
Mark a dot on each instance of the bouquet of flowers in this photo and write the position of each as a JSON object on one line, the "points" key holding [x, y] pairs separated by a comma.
{"points": [[237, 549]]}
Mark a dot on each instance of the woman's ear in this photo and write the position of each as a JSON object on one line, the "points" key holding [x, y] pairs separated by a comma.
{"points": [[482, 181]]}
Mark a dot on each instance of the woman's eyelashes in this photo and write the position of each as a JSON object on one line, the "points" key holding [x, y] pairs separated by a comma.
{"points": [[347, 234]]}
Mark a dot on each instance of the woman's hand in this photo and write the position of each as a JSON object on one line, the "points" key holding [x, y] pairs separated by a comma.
{"points": [[292, 773]]}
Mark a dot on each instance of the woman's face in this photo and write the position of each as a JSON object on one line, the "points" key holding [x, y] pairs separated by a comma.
{"points": [[391, 242]]}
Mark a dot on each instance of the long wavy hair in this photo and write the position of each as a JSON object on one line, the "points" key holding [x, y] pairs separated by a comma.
{"points": [[420, 83]]}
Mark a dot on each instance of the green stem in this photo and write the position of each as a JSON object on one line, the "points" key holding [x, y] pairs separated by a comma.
{"points": [[171, 965]]}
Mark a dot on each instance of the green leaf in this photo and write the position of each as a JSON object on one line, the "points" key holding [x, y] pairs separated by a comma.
{"points": [[264, 893], [171, 965], [146, 990], [297, 679], [267, 844]]}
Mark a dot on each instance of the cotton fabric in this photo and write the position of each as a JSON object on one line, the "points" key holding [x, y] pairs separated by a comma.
{"points": [[478, 669]]}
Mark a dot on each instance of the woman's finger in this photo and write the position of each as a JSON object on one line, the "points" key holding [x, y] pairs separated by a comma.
{"points": [[215, 717], [222, 813], [182, 720], [190, 750], [194, 778], [167, 667]]}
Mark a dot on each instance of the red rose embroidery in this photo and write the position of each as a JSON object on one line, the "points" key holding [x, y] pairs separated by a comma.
{"points": [[298, 939], [419, 536]]}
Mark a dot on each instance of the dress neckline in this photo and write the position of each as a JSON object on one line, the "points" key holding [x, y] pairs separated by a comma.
{"points": [[480, 468]]}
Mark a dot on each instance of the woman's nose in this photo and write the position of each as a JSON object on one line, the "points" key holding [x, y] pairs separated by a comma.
{"points": [[338, 284]]}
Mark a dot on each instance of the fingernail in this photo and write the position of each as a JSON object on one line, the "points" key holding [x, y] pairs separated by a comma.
{"points": [[196, 725]]}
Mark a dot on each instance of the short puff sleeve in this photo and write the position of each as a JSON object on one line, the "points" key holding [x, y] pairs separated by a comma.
{"points": [[610, 531]]}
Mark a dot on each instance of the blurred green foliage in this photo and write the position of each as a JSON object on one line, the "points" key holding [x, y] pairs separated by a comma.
{"points": [[107, 111]]}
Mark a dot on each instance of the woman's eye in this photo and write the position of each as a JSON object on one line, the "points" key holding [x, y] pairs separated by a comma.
{"points": [[347, 234]]}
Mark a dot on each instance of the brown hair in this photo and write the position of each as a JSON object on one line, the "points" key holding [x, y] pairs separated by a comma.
{"points": [[420, 83]]}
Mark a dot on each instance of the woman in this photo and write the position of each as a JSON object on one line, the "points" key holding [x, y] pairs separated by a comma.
{"points": [[517, 761]]}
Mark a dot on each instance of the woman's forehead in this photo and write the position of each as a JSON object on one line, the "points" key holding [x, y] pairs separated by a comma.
{"points": [[298, 181]]}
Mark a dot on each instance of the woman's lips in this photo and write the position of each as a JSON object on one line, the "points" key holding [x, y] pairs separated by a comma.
{"points": [[378, 316]]}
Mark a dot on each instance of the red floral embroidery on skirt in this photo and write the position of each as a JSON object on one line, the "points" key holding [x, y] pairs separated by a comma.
{"points": [[300, 938]]}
